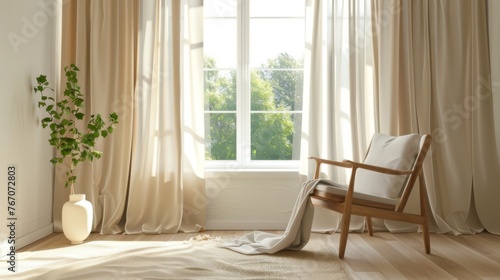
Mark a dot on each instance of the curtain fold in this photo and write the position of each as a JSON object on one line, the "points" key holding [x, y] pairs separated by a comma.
{"points": [[167, 175], [450, 81], [338, 113], [100, 38], [429, 73], [144, 61], [494, 40]]}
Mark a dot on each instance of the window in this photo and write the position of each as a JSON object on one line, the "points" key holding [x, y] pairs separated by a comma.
{"points": [[253, 82]]}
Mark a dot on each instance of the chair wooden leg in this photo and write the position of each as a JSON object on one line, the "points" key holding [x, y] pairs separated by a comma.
{"points": [[427, 241], [369, 225], [423, 212], [346, 220]]}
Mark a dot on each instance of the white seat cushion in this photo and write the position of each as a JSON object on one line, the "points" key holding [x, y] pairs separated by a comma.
{"points": [[389, 152], [338, 189]]}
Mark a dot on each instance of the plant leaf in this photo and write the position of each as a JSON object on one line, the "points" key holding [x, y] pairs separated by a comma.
{"points": [[113, 116], [78, 102], [79, 115], [41, 79], [66, 122]]}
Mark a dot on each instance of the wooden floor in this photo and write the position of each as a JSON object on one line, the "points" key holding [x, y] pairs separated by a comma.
{"points": [[383, 256]]}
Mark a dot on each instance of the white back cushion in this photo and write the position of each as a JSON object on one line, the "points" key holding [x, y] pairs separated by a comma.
{"points": [[390, 152]]}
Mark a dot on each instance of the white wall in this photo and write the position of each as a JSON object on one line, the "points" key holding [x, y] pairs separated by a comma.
{"points": [[28, 40], [248, 200]]}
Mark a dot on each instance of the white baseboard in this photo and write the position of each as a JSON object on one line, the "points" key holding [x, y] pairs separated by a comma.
{"points": [[246, 225], [34, 236]]}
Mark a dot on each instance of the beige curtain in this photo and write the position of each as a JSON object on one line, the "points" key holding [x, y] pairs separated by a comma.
{"points": [[494, 38], [338, 92], [399, 67], [433, 76], [100, 38], [143, 60], [167, 175]]}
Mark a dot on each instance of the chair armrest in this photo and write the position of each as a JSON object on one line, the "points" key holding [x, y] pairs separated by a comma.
{"points": [[319, 161], [379, 168], [331, 162]]}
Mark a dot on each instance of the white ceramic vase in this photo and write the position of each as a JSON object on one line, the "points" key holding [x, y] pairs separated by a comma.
{"points": [[77, 216]]}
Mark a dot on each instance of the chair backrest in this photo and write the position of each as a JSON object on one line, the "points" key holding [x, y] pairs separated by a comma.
{"points": [[425, 144], [406, 152]]}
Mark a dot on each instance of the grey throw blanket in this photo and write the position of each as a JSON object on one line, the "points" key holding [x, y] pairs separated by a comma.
{"points": [[295, 236]]}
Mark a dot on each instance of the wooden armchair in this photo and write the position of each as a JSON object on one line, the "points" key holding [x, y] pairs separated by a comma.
{"points": [[380, 186]]}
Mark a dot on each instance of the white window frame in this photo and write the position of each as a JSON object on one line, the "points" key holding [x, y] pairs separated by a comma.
{"points": [[243, 160]]}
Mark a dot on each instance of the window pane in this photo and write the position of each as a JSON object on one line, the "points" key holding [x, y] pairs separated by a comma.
{"points": [[277, 8], [220, 89], [220, 8], [270, 44], [271, 37], [272, 136], [220, 40], [297, 135], [220, 136], [278, 89]]}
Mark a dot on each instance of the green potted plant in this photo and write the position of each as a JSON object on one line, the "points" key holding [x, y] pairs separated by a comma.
{"points": [[73, 136]]}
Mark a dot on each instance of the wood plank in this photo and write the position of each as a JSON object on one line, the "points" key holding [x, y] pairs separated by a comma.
{"points": [[485, 243], [455, 258], [363, 259], [382, 256], [405, 258]]}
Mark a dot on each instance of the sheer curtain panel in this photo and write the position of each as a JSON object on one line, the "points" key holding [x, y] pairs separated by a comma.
{"points": [[100, 38], [167, 172], [399, 67], [338, 120], [433, 76], [143, 60]]}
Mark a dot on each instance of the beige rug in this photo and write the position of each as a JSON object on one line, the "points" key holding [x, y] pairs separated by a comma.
{"points": [[196, 259]]}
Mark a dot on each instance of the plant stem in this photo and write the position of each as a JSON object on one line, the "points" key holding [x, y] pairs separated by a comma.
{"points": [[72, 189]]}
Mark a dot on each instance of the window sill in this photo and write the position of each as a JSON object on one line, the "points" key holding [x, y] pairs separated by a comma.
{"points": [[253, 173]]}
